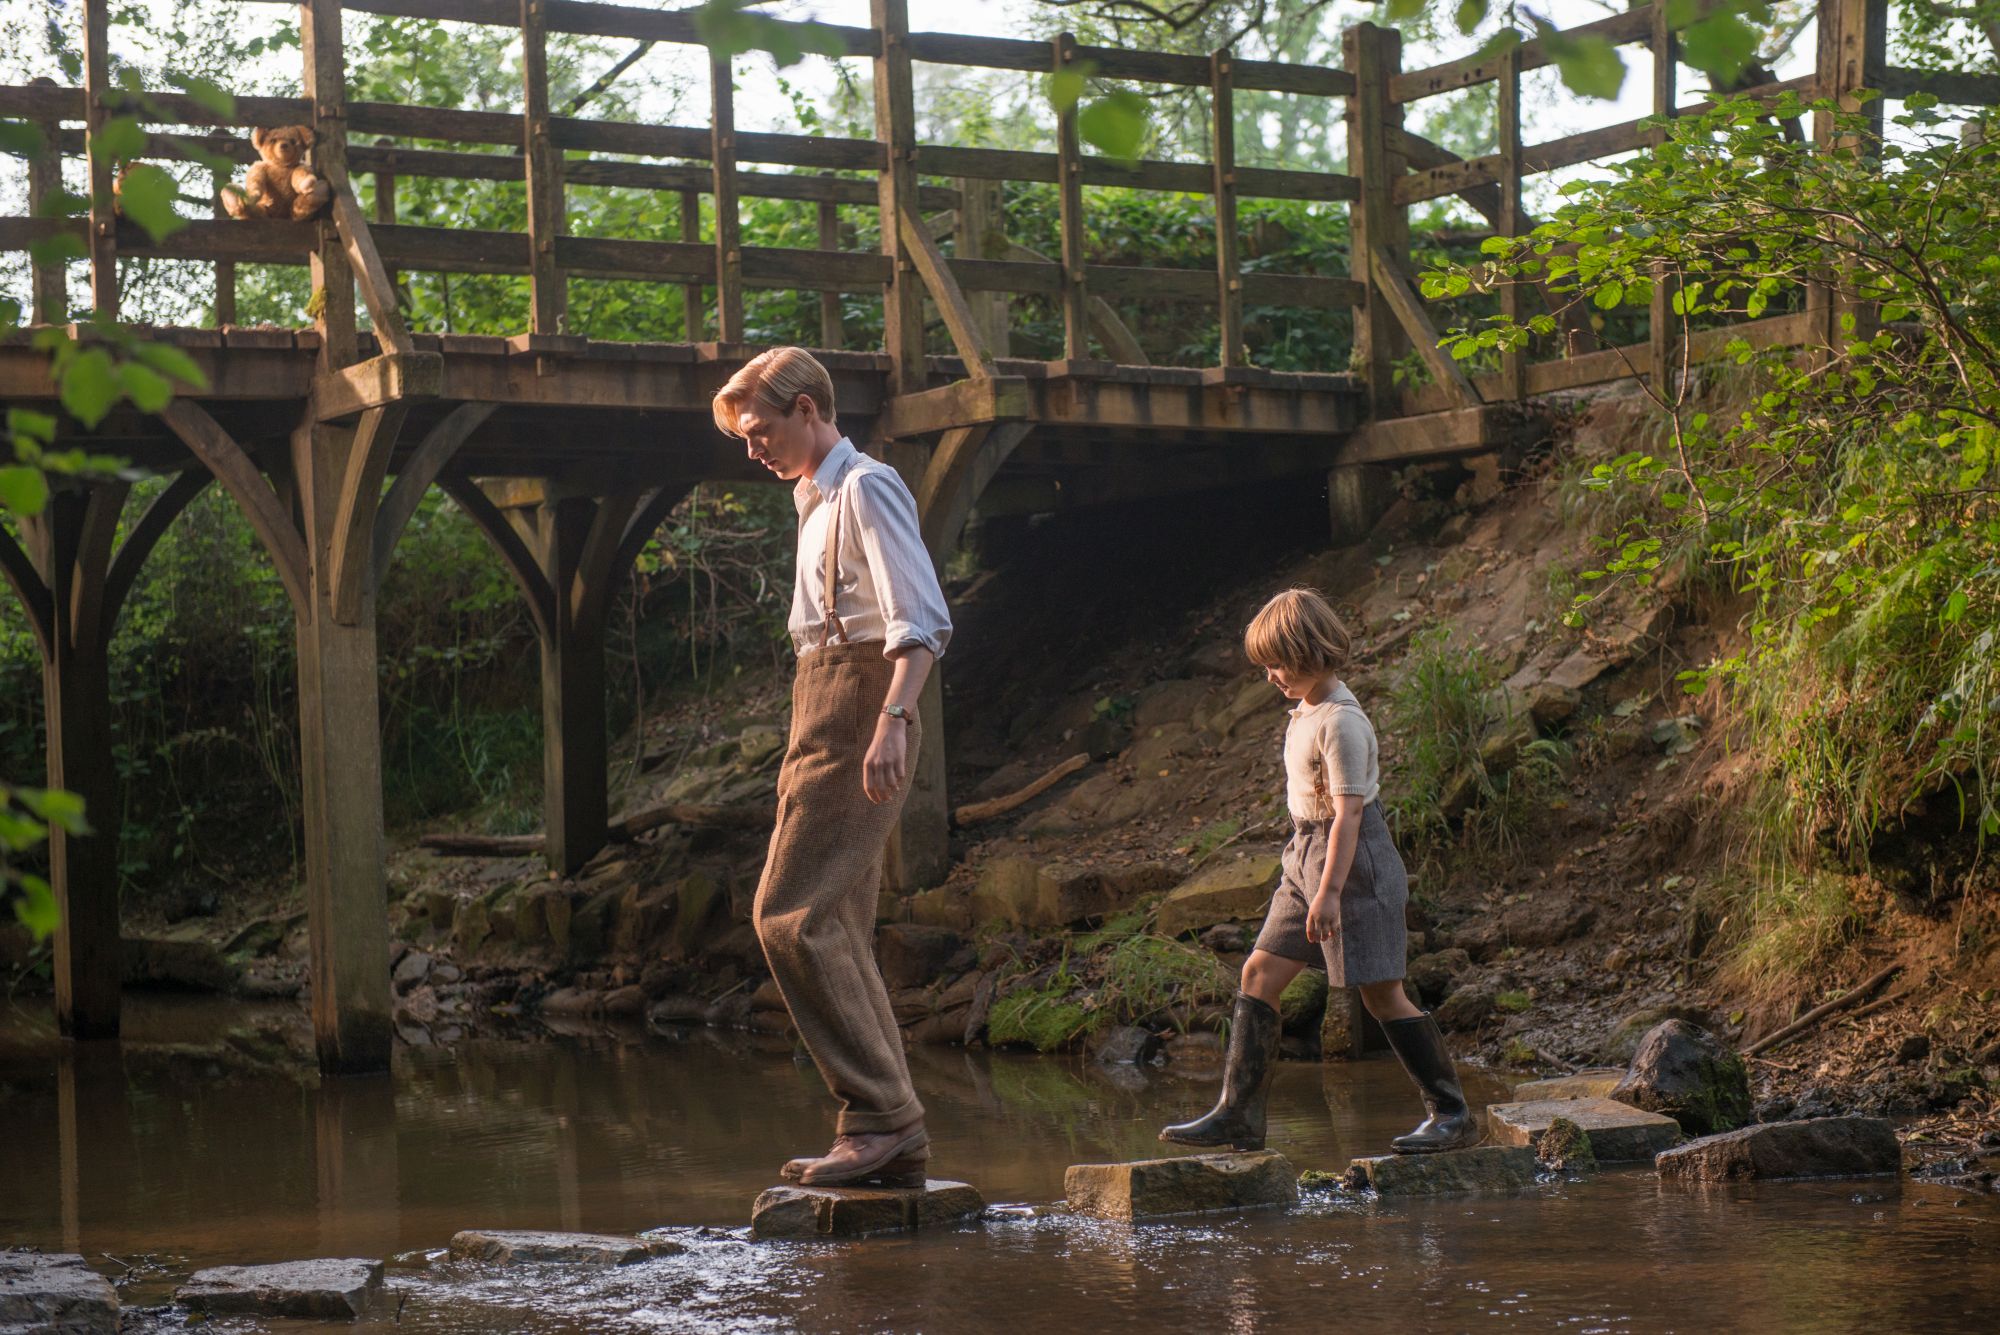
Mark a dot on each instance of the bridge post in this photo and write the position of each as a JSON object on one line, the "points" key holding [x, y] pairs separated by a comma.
{"points": [[103, 215], [51, 286], [1376, 221], [548, 289], [576, 810], [982, 235], [1853, 35]]}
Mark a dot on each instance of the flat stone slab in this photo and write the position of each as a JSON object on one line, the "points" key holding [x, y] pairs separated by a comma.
{"points": [[1189, 1184], [55, 1292], [854, 1212], [1596, 1084], [327, 1290], [519, 1247], [1483, 1168], [1815, 1147], [1619, 1133]]}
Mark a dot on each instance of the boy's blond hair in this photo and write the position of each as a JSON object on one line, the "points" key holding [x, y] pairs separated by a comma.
{"points": [[773, 380], [1297, 631]]}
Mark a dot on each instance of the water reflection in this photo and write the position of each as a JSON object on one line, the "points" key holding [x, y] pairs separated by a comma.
{"points": [[206, 1138]]}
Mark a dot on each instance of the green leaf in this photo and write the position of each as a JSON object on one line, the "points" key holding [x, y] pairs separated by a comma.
{"points": [[23, 490], [33, 425], [89, 387], [35, 906], [1609, 296], [1719, 46], [209, 96], [55, 806], [147, 388], [1471, 13], [1402, 11], [123, 138], [172, 362], [1114, 124], [147, 198], [1066, 88], [1954, 606], [1590, 65], [54, 250], [20, 138]]}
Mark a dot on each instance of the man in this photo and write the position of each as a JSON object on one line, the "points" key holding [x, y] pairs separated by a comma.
{"points": [[868, 619]]}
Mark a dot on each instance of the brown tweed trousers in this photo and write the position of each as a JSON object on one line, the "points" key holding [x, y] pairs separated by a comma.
{"points": [[815, 907]]}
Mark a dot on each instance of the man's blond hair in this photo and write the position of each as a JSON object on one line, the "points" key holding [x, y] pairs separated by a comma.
{"points": [[773, 381], [1299, 632]]}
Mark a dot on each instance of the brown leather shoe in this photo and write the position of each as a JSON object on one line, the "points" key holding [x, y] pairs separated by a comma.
{"points": [[899, 1154]]}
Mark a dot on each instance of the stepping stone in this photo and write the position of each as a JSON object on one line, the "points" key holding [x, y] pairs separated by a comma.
{"points": [[1593, 1084], [326, 1290], [1619, 1133], [1816, 1147], [1190, 1184], [55, 1292], [1482, 1168], [517, 1247], [855, 1212]]}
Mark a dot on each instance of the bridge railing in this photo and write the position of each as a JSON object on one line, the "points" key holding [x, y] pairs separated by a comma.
{"points": [[555, 153]]}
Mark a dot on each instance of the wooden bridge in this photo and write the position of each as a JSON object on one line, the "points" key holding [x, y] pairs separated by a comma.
{"points": [[568, 451]]}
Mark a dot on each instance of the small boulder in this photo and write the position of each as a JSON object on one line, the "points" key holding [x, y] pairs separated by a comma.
{"points": [[1303, 1003], [1466, 1008], [1192, 1184], [1124, 1045], [1817, 1147], [1225, 890], [1595, 1083], [1483, 1168], [1564, 1147], [912, 954], [55, 1292], [412, 969], [1682, 1071], [1435, 974], [1622, 1041], [1618, 1132], [806, 1213], [323, 1290], [519, 1247], [1225, 938]]}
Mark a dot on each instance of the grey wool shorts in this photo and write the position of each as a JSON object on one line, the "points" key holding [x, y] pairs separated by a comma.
{"points": [[1371, 945]]}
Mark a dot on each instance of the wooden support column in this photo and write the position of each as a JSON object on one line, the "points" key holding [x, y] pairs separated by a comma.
{"points": [[548, 294], [691, 300], [225, 274], [1853, 36], [337, 470], [831, 333], [1662, 325], [71, 589], [896, 128], [982, 235], [103, 218], [50, 284], [728, 221], [1069, 195], [1377, 224], [1228, 272], [1513, 363], [385, 216]]}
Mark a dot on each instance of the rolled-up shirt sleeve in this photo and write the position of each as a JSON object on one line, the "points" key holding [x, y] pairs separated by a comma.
{"points": [[906, 584]]}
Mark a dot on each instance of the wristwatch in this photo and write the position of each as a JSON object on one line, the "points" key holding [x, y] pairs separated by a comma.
{"points": [[897, 712]]}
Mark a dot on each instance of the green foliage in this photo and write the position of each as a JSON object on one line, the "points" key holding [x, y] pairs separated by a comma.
{"points": [[1044, 1018], [1847, 491], [1145, 974]]}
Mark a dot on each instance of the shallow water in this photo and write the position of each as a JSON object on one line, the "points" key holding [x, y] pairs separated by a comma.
{"points": [[170, 1153]]}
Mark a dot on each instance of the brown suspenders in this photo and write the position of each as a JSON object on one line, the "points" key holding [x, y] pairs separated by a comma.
{"points": [[831, 626]]}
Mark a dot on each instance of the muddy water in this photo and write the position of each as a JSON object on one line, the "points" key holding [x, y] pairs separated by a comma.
{"points": [[176, 1152]]}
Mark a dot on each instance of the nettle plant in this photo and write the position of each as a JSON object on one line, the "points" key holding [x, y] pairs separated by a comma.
{"points": [[1847, 482]]}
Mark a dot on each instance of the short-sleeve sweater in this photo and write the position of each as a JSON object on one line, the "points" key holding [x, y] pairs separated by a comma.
{"points": [[1330, 750]]}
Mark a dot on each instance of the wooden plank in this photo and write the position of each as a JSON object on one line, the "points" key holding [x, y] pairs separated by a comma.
{"points": [[350, 572], [37, 602], [102, 238], [962, 403], [1031, 57], [421, 469], [966, 335], [548, 293], [1387, 276], [1440, 435], [144, 535], [831, 334], [1631, 26], [1513, 362], [376, 383], [519, 561], [326, 89], [271, 522], [691, 302], [1069, 188], [49, 283], [1453, 178], [1191, 178], [385, 213], [1954, 88], [965, 461], [1373, 55], [728, 220], [896, 200], [378, 290], [1228, 269]]}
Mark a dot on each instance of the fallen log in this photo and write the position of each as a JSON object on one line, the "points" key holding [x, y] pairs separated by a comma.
{"points": [[740, 816], [1853, 996], [974, 812]]}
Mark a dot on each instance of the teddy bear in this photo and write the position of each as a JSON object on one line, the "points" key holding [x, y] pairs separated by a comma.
{"points": [[282, 185]]}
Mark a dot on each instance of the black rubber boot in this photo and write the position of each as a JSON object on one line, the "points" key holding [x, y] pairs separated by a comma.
{"points": [[1237, 1120], [1420, 1046]]}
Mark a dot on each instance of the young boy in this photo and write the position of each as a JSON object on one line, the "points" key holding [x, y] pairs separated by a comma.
{"points": [[1343, 891]]}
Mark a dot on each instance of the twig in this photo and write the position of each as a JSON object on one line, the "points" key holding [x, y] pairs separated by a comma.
{"points": [[1812, 1017], [745, 816], [1567, 1068], [974, 812]]}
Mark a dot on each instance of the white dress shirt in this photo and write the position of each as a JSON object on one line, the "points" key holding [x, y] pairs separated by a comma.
{"points": [[888, 588], [1330, 750]]}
